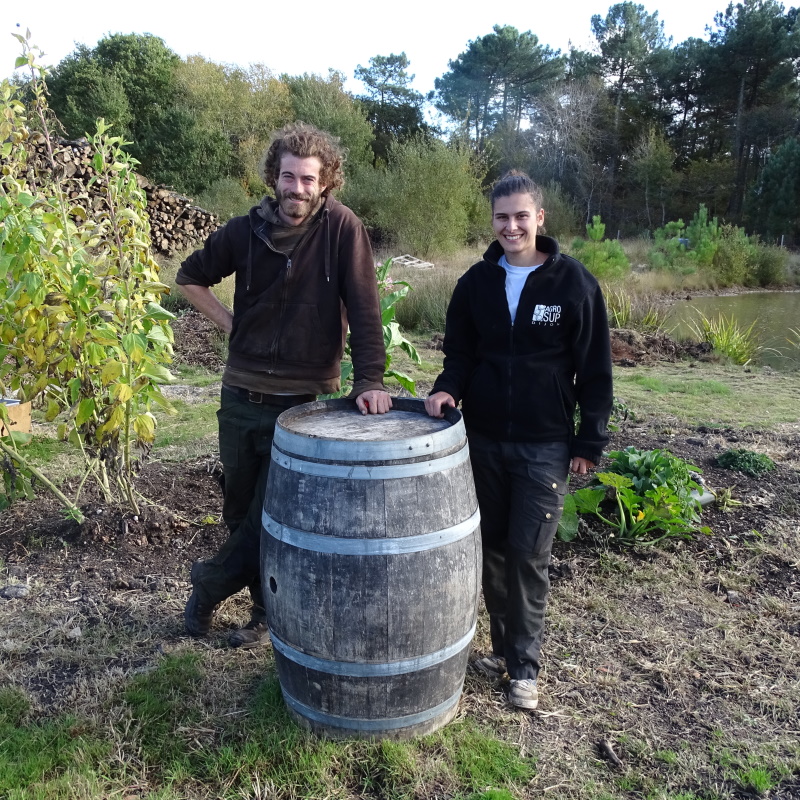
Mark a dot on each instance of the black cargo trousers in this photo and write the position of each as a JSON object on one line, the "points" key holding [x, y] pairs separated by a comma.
{"points": [[246, 429], [520, 488]]}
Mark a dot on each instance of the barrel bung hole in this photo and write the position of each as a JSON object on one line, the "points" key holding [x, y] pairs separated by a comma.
{"points": [[273, 586]]}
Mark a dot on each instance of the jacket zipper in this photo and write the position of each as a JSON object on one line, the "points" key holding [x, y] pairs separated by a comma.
{"points": [[273, 350]]}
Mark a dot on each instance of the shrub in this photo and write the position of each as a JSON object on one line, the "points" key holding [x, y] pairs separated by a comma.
{"points": [[746, 461], [81, 327], [682, 249], [703, 235], [428, 200], [226, 198], [561, 217], [771, 265], [734, 257], [604, 258], [669, 251]]}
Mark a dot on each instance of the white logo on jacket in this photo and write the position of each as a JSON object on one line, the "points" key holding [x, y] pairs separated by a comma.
{"points": [[548, 315]]}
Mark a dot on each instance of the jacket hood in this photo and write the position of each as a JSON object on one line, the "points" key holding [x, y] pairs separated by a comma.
{"points": [[265, 214]]}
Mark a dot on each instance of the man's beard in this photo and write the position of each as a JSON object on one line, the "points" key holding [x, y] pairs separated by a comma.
{"points": [[297, 210]]}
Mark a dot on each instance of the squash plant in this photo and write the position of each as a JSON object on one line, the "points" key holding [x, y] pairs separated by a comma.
{"points": [[643, 497], [81, 328]]}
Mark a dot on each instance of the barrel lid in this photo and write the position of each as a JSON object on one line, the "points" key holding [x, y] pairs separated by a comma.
{"points": [[337, 430]]}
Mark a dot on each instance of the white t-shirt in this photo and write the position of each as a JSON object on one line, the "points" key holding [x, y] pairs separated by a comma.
{"points": [[515, 280]]}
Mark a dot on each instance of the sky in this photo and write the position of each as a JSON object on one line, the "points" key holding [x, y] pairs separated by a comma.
{"points": [[341, 34]]}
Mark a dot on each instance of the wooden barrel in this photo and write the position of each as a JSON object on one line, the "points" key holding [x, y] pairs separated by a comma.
{"points": [[370, 560]]}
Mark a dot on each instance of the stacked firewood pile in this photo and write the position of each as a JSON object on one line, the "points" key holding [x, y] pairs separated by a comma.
{"points": [[175, 223]]}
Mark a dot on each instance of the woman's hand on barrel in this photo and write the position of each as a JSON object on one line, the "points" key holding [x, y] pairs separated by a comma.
{"points": [[436, 402], [374, 402]]}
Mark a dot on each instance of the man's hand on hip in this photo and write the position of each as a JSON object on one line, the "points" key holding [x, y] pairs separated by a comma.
{"points": [[374, 402]]}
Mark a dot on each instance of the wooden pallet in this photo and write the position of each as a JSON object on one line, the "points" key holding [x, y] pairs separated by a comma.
{"points": [[410, 261]]}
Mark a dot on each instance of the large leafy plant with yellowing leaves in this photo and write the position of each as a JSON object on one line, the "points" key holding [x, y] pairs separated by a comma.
{"points": [[81, 327]]}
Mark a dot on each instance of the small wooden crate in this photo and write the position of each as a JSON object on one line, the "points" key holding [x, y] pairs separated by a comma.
{"points": [[19, 415]]}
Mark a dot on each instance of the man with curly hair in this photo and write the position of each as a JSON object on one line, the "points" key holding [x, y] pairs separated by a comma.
{"points": [[304, 270]]}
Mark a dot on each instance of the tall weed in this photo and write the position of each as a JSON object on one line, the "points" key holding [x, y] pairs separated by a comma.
{"points": [[727, 337], [637, 250], [424, 308], [628, 310]]}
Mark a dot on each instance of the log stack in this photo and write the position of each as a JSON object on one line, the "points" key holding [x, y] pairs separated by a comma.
{"points": [[175, 222]]}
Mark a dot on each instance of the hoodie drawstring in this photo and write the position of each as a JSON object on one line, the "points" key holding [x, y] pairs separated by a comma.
{"points": [[327, 223]]}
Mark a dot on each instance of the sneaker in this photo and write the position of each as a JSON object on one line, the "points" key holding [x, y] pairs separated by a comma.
{"points": [[251, 635], [523, 694], [491, 666], [197, 616]]}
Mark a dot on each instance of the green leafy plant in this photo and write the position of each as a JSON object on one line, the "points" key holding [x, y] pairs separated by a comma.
{"points": [[644, 496], [81, 328], [746, 461], [639, 515], [391, 291], [649, 469]]}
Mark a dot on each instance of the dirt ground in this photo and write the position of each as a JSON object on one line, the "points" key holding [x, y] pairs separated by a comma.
{"points": [[117, 566]]}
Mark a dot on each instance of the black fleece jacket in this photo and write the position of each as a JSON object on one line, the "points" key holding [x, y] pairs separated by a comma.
{"points": [[521, 381]]}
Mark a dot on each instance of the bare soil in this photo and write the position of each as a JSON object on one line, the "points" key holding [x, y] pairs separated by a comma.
{"points": [[650, 658]]}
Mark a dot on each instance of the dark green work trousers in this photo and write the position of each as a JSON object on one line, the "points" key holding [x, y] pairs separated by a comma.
{"points": [[246, 429], [520, 488]]}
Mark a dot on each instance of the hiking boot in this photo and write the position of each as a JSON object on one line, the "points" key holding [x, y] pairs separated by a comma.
{"points": [[199, 611], [490, 666], [197, 615], [523, 694], [253, 634]]}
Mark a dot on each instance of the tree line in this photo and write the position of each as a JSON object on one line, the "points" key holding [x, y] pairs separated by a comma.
{"points": [[638, 130]]}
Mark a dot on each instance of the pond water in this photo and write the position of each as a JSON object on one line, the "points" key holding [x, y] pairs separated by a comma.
{"points": [[774, 314]]}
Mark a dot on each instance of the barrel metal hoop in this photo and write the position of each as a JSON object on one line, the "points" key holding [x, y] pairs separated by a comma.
{"points": [[339, 545], [338, 450], [360, 724], [354, 669], [368, 473]]}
